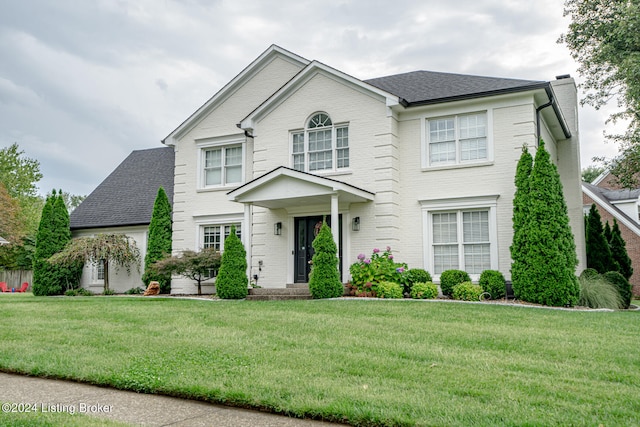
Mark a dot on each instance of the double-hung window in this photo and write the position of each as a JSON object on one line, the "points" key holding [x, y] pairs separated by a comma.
{"points": [[457, 139], [460, 234], [213, 236], [222, 165], [461, 241], [321, 146]]}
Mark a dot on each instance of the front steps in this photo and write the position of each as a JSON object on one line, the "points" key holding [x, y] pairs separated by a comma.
{"points": [[291, 292]]}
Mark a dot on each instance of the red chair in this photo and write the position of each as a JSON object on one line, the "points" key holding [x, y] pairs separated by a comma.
{"points": [[23, 288], [3, 287]]}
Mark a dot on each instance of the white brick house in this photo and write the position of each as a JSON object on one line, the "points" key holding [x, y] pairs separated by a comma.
{"points": [[423, 162]]}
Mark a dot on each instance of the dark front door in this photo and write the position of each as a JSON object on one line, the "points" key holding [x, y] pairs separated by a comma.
{"points": [[306, 229]]}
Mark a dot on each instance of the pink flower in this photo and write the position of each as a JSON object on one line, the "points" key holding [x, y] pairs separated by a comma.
{"points": [[390, 256], [367, 261], [388, 248], [400, 269], [361, 257], [376, 250]]}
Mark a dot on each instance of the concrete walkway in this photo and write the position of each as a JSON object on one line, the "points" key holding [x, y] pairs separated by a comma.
{"points": [[135, 408]]}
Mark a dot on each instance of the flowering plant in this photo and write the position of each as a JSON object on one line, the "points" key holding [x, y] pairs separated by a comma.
{"points": [[366, 273]]}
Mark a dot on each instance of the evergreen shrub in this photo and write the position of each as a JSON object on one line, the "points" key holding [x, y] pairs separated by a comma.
{"points": [[232, 281], [424, 290], [493, 282], [467, 291], [324, 279], [159, 245], [451, 278]]}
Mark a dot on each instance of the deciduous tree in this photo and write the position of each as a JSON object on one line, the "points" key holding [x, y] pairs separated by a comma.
{"points": [[604, 38], [197, 266], [108, 249]]}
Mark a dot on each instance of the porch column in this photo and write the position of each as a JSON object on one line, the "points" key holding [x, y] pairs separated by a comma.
{"points": [[247, 236], [335, 218]]}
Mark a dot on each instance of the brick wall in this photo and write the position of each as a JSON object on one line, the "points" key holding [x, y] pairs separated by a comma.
{"points": [[631, 239]]}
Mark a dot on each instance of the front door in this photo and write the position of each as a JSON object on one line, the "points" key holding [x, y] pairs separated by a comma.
{"points": [[306, 229]]}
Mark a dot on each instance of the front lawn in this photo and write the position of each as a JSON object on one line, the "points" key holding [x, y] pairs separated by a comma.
{"points": [[374, 362]]}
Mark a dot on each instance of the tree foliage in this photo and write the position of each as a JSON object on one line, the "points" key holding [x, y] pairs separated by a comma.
{"points": [[193, 265], [547, 275], [53, 235], [11, 224], [598, 252], [619, 252], [20, 176], [159, 245], [604, 38], [591, 172], [519, 246], [109, 249], [324, 279], [232, 281]]}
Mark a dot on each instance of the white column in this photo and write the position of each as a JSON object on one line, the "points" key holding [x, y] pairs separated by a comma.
{"points": [[247, 236], [335, 220]]}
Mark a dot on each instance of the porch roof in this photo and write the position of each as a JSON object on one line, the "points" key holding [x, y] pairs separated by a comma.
{"points": [[284, 188]]}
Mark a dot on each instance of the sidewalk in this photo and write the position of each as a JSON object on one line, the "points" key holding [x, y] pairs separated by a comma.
{"points": [[135, 408]]}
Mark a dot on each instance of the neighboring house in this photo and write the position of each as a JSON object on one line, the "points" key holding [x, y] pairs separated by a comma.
{"points": [[423, 162], [123, 204], [612, 201]]}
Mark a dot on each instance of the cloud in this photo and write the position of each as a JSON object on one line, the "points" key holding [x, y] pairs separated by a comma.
{"points": [[82, 84]]}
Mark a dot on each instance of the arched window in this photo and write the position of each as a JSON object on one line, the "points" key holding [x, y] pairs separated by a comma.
{"points": [[321, 146]]}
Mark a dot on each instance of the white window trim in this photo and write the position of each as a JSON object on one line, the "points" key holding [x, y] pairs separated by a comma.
{"points": [[334, 146], [458, 204], [424, 133], [220, 143], [94, 274], [212, 221]]}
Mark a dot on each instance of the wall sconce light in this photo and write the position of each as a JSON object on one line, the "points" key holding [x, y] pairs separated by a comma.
{"points": [[277, 228], [355, 224]]}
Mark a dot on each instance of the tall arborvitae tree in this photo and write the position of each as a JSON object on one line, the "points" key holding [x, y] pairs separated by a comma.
{"points": [[53, 235], [159, 245], [324, 280], [520, 214], [598, 252], [606, 231], [549, 277], [232, 281], [619, 252]]}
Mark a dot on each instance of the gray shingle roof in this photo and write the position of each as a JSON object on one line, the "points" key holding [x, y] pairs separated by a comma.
{"points": [[424, 87], [607, 197], [127, 195]]}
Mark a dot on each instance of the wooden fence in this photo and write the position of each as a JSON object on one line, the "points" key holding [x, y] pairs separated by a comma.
{"points": [[15, 278]]}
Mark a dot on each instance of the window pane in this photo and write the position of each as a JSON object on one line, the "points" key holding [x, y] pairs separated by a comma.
{"points": [[342, 137], [320, 160], [473, 126], [213, 158], [320, 154], [473, 149], [233, 156], [233, 174], [298, 143], [211, 237], [298, 162], [475, 226], [442, 130], [342, 158], [445, 257], [319, 120], [213, 176], [477, 258], [442, 152], [445, 228]]}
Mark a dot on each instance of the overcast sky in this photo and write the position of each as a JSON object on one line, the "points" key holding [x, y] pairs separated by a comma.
{"points": [[85, 82]]}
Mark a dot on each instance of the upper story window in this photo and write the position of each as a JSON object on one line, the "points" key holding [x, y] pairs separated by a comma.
{"points": [[322, 146], [221, 162], [457, 139]]}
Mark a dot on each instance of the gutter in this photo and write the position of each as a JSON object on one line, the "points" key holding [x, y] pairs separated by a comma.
{"points": [[556, 109]]}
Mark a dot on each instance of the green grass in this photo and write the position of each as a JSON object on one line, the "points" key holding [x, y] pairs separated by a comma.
{"points": [[365, 362]]}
